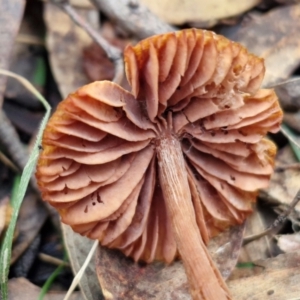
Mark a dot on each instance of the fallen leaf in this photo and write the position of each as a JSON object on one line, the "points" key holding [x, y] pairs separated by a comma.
{"points": [[28, 59], [225, 249], [292, 120], [289, 242], [288, 93], [95, 62], [10, 19], [179, 12], [19, 116], [260, 248], [24, 263], [21, 288], [65, 44], [31, 218], [112, 267], [273, 36], [271, 279], [121, 278], [78, 248], [284, 184]]}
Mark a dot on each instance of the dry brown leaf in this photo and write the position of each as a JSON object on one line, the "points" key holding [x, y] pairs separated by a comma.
{"points": [[288, 93], [224, 249], [10, 19], [284, 184], [78, 248], [258, 249], [274, 36], [31, 218], [292, 120], [65, 44], [21, 288], [26, 60], [271, 279], [289, 242], [96, 64], [179, 12], [124, 279]]}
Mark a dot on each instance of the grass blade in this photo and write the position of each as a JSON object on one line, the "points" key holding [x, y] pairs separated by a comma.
{"points": [[5, 254], [51, 279], [291, 136]]}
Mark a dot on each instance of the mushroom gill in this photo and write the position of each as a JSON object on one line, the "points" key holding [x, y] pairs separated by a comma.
{"points": [[100, 163]]}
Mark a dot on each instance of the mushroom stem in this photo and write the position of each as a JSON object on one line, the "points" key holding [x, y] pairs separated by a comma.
{"points": [[205, 280]]}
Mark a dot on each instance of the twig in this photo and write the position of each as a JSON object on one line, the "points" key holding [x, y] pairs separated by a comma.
{"points": [[279, 220], [292, 166], [8, 162], [52, 260], [29, 39], [113, 53], [133, 17]]}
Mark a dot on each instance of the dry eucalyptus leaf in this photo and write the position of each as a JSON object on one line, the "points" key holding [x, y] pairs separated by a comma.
{"points": [[65, 44], [289, 242], [288, 93], [32, 216], [121, 278], [96, 64], [10, 19], [78, 248], [271, 279], [179, 12], [274, 36], [284, 184], [260, 248], [293, 120], [225, 249], [27, 59], [21, 288]]}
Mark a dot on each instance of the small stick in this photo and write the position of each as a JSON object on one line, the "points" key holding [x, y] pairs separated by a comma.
{"points": [[113, 53], [52, 260], [134, 17], [8, 162], [279, 220], [292, 166]]}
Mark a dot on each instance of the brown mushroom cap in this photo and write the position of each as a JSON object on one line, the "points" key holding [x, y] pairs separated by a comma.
{"points": [[99, 165]]}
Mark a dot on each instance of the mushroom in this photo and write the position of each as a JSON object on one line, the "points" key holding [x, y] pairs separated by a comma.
{"points": [[158, 171]]}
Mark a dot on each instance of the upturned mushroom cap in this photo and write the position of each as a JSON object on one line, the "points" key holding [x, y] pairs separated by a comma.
{"points": [[99, 165]]}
